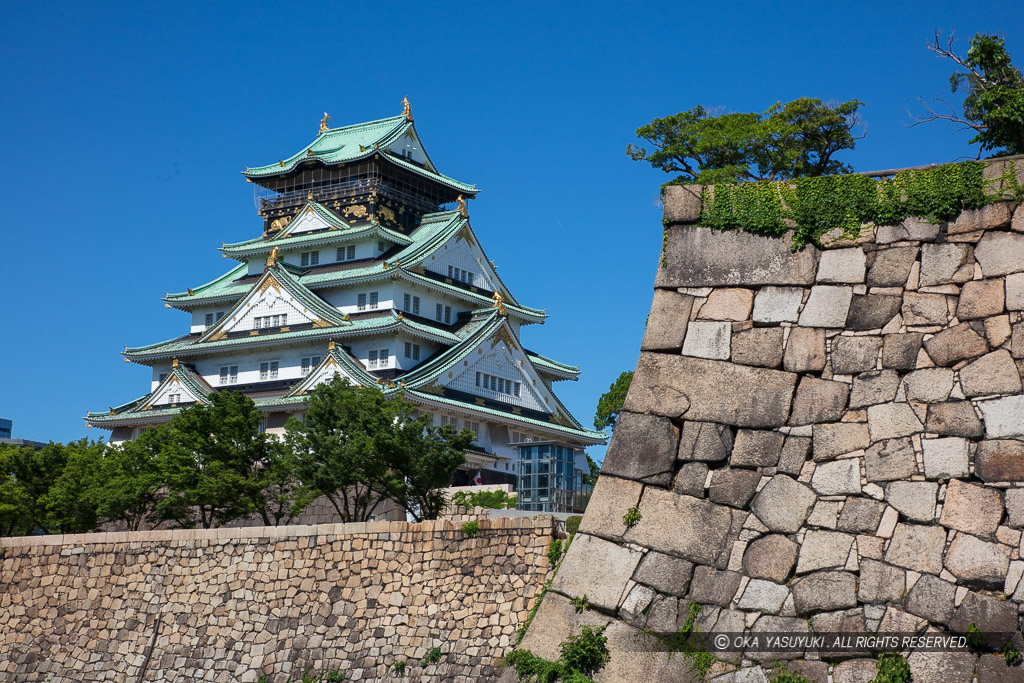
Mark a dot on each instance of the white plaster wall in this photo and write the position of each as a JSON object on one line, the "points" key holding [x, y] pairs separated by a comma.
{"points": [[459, 253]]}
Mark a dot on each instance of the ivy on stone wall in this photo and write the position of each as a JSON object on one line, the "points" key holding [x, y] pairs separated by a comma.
{"points": [[813, 206]]}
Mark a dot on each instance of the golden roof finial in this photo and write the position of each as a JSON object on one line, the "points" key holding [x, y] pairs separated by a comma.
{"points": [[499, 303], [275, 254], [331, 346], [112, 411], [323, 124], [191, 292], [174, 362], [462, 207], [346, 317], [406, 108]]}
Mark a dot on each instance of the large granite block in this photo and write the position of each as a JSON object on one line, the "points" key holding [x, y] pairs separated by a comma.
{"points": [[598, 569], [690, 528], [666, 325], [827, 306], [643, 447], [783, 504], [892, 267], [1000, 253]]}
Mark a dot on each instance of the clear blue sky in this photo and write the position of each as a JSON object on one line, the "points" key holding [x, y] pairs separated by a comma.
{"points": [[125, 126]]}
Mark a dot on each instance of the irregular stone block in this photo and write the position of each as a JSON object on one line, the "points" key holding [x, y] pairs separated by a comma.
{"points": [[981, 299], [839, 438], [710, 587], [683, 203], [1017, 341], [720, 392], [932, 598], [783, 504], [664, 573], [913, 229], [643, 447], [955, 344], [917, 547], [986, 218], [915, 500], [770, 557], [778, 304], [805, 350], [955, 418], [727, 304], [890, 460], [827, 306], [945, 458], [705, 442], [945, 263], [690, 478], [611, 495], [971, 508], [763, 596], [880, 582], [837, 478], [1000, 460], [941, 666], [733, 487], [708, 339], [892, 267], [855, 671], [1000, 253], [693, 529], [872, 311], [1014, 502], [851, 355], [976, 561], [702, 257], [666, 325], [842, 266], [924, 309], [794, 454], [931, 385], [992, 669], [1015, 292], [898, 621], [638, 600], [869, 388], [819, 400], [860, 515], [758, 346], [823, 550], [598, 569], [892, 420], [899, 351], [991, 614], [824, 591], [1004, 417], [993, 373]]}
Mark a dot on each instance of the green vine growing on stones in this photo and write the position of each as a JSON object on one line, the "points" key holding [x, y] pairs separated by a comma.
{"points": [[814, 206]]}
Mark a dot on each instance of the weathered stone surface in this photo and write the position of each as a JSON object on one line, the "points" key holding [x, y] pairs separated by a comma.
{"points": [[955, 344], [827, 306], [756, 448], [824, 591], [993, 373], [871, 388], [770, 557], [611, 496], [705, 442], [835, 439], [1000, 253], [914, 499], [986, 218], [1015, 292], [682, 203], [924, 309], [971, 508], [778, 304], [666, 325], [880, 582], [976, 561], [643, 448], [931, 385], [794, 454], [814, 672], [981, 299], [1017, 341], [819, 400], [805, 350], [945, 458], [727, 304], [636, 603], [892, 267], [627, 662], [892, 420], [917, 547], [890, 460], [860, 515], [556, 620], [837, 477], [955, 418], [945, 263], [993, 615], [851, 355], [842, 266], [855, 671], [1004, 417], [899, 351], [664, 573], [1014, 502], [898, 621], [783, 504], [720, 392], [1000, 460], [690, 478], [708, 339], [693, 529], [941, 666], [711, 587], [763, 596], [992, 669], [932, 598], [823, 550], [758, 346], [733, 487], [598, 569], [912, 229], [872, 311], [701, 257], [750, 674]]}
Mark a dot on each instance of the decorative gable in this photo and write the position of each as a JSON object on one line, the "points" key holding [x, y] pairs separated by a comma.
{"points": [[499, 369], [461, 259], [309, 219], [181, 386], [409, 147], [335, 362]]}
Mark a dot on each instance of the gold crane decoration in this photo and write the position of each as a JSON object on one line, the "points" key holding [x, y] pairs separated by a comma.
{"points": [[463, 211], [406, 108], [275, 254], [499, 303], [323, 124]]}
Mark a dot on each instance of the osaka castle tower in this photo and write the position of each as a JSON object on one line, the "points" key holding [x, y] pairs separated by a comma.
{"points": [[368, 267]]}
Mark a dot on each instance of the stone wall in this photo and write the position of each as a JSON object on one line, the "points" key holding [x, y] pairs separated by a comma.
{"points": [[230, 604], [829, 439]]}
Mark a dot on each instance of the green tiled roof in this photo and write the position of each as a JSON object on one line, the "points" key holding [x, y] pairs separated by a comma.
{"points": [[553, 367]]}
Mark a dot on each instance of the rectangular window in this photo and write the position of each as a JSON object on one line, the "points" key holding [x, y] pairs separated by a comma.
{"points": [[362, 301], [173, 398], [407, 303], [257, 323], [209, 319], [447, 315], [229, 374], [268, 370], [373, 299], [385, 358], [439, 313], [408, 350], [451, 272], [371, 359], [304, 259], [448, 420], [309, 258], [347, 253], [382, 246], [478, 379], [308, 363], [220, 314], [475, 428], [499, 384], [415, 351], [519, 390], [415, 305]]}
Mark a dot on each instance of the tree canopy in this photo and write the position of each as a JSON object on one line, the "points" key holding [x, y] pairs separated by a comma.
{"points": [[610, 404], [789, 140]]}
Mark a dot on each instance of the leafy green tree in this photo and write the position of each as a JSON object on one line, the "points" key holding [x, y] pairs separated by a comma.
{"points": [[993, 88], [786, 141], [610, 404], [28, 475], [128, 487], [17, 506], [426, 457], [70, 500]]}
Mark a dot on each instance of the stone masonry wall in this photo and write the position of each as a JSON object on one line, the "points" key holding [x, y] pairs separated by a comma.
{"points": [[231, 604], [829, 439]]}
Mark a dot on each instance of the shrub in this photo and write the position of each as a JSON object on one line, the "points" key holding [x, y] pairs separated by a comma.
{"points": [[632, 517], [554, 552], [581, 603], [892, 668], [493, 500], [471, 529], [433, 657], [572, 524], [587, 652]]}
